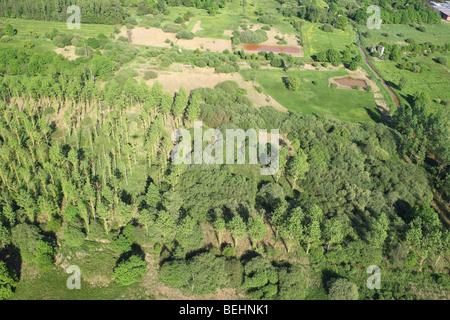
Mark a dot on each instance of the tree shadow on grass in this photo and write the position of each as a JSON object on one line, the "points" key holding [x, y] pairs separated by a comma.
{"points": [[11, 256], [375, 116]]}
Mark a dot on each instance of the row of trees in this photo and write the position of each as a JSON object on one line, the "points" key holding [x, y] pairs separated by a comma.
{"points": [[103, 11]]}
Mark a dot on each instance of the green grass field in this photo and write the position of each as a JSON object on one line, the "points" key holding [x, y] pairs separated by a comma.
{"points": [[435, 33], [52, 286], [434, 78], [316, 40], [320, 99]]}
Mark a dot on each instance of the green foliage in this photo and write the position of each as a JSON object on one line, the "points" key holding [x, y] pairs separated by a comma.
{"points": [[184, 34], [8, 281], [342, 289], [253, 37], [292, 83], [130, 271], [45, 254], [74, 236], [150, 75]]}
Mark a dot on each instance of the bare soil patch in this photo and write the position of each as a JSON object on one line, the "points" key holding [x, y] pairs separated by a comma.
{"points": [[292, 41], [157, 38], [191, 77], [68, 52]]}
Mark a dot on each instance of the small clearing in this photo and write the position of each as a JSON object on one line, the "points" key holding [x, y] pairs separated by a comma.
{"points": [[191, 77], [68, 52], [155, 37]]}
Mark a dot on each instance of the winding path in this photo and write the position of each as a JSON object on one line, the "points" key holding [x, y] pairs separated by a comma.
{"points": [[366, 60]]}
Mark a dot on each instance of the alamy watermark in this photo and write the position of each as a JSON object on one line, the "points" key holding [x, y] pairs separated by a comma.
{"points": [[74, 281], [74, 21], [374, 21], [374, 281], [258, 147]]}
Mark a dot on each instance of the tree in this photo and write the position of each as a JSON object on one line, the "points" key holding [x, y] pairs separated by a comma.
{"points": [[175, 273], [292, 82], [9, 30], [190, 234], [298, 166], [5, 237], [260, 278], [8, 281], [207, 273], [342, 22], [292, 283], [179, 105], [237, 228], [45, 253], [333, 232], [243, 4], [26, 237], [425, 233], [193, 109], [256, 229], [342, 289], [130, 271], [402, 83], [74, 236]]}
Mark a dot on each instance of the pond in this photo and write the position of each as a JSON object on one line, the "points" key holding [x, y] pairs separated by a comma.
{"points": [[350, 82]]}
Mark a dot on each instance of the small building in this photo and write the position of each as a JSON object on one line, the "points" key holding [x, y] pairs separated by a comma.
{"points": [[443, 8], [380, 49]]}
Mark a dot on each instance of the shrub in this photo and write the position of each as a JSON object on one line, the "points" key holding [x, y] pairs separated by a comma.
{"points": [[327, 27], [8, 281], [77, 41], [44, 256], [292, 83], [422, 29], [268, 19], [342, 289], [277, 62], [353, 65], [10, 31], [416, 69], [227, 68], [357, 87], [179, 20], [442, 60], [184, 34], [59, 42], [334, 85], [93, 43], [130, 271], [150, 75], [253, 37], [172, 28], [200, 63], [74, 236], [266, 28]]}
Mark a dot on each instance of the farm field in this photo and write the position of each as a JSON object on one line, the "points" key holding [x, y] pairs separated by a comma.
{"points": [[320, 99], [437, 34], [434, 77], [316, 40]]}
